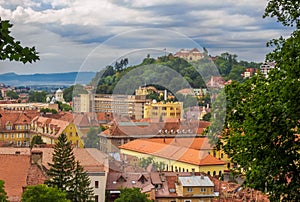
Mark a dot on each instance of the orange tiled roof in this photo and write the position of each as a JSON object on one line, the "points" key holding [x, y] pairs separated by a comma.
{"points": [[13, 171], [59, 125], [17, 173], [198, 143], [16, 117], [153, 127], [169, 151], [90, 158], [129, 180]]}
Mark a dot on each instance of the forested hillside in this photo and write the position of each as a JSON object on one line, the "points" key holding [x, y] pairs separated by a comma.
{"points": [[196, 73]]}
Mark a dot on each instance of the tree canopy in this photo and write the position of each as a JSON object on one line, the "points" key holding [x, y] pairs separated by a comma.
{"points": [[43, 193], [36, 140], [3, 195], [37, 96], [11, 49], [12, 94], [132, 195], [263, 116], [73, 91], [92, 139]]}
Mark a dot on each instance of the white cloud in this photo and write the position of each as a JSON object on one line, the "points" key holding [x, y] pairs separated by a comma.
{"points": [[66, 31]]}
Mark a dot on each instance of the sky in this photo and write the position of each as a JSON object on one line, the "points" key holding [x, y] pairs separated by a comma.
{"points": [[87, 35]]}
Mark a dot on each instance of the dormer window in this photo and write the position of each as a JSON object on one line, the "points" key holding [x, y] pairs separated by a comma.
{"points": [[8, 126], [121, 179], [142, 179]]}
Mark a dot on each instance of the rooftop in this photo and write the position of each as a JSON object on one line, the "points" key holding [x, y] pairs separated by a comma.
{"points": [[174, 152], [194, 181]]}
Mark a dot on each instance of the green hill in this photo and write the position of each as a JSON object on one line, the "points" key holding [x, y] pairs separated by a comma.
{"points": [[168, 72]]}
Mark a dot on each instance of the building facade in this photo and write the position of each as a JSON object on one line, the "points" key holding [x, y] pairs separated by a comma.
{"points": [[190, 55], [131, 106], [15, 127], [163, 110], [50, 129], [266, 67], [175, 157]]}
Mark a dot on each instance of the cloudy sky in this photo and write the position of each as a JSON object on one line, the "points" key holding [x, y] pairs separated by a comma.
{"points": [[86, 35]]}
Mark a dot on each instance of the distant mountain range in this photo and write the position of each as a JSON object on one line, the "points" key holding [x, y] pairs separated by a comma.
{"points": [[68, 78]]}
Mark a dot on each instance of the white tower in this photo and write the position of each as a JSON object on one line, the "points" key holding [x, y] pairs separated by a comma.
{"points": [[59, 96]]}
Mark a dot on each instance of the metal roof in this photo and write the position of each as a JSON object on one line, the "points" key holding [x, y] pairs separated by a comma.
{"points": [[195, 181]]}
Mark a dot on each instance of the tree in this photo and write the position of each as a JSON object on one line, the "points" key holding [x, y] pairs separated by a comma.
{"points": [[80, 189], [43, 193], [74, 91], [263, 114], [145, 162], [92, 139], [64, 107], [45, 110], [11, 49], [36, 140], [287, 12], [66, 174], [35, 96], [132, 195], [12, 94], [3, 195], [62, 169]]}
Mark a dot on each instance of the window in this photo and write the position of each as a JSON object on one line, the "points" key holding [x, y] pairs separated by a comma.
{"points": [[12, 135], [187, 201], [96, 198], [203, 189], [96, 184], [8, 127], [164, 108], [189, 189]]}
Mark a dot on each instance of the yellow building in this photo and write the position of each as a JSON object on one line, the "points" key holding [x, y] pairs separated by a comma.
{"points": [[15, 127], [174, 157], [157, 110], [50, 129], [195, 188], [190, 55]]}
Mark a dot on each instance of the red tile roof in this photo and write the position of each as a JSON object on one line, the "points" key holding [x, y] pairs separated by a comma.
{"points": [[129, 180], [198, 143], [59, 125], [174, 152], [90, 158], [17, 173], [16, 117]]}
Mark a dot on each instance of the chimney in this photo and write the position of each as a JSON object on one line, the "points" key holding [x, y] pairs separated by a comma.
{"points": [[36, 157]]}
